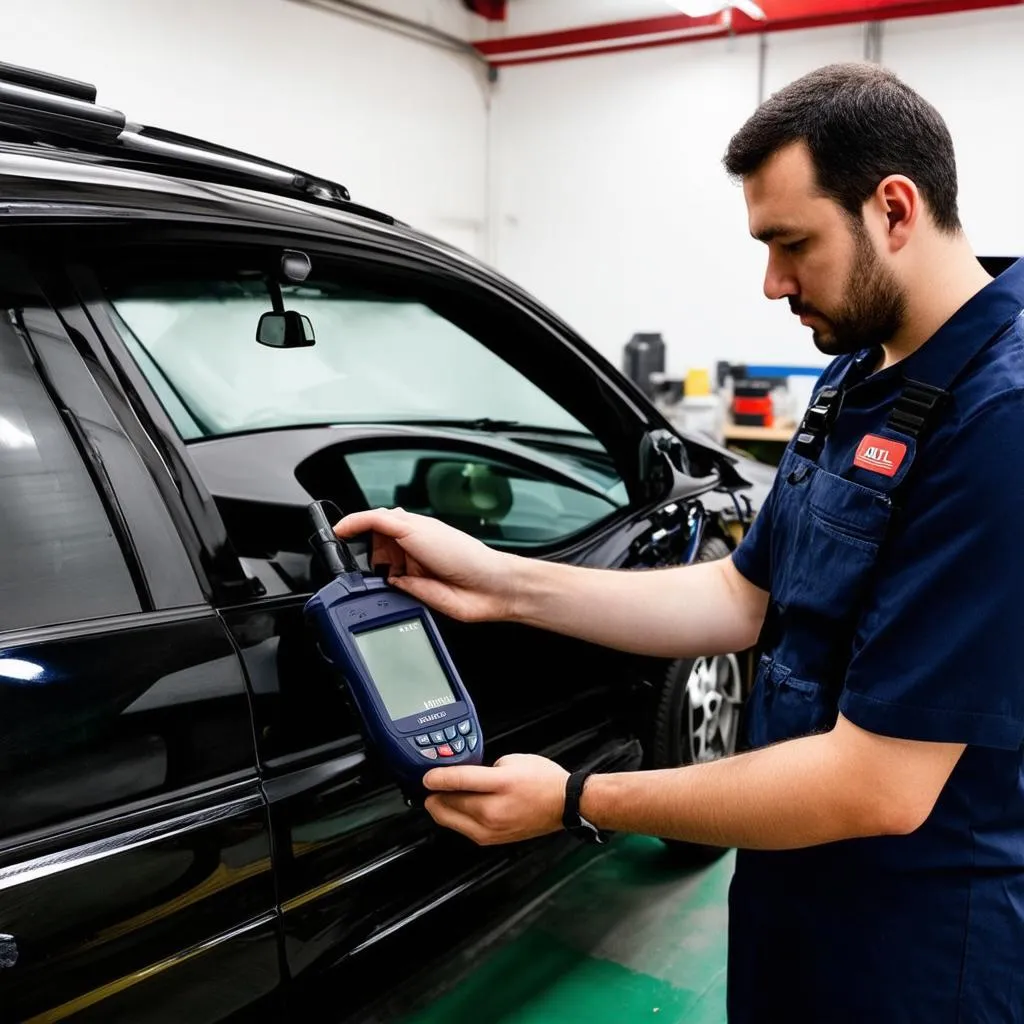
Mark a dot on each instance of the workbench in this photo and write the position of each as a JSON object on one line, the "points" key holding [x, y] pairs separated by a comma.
{"points": [[766, 444]]}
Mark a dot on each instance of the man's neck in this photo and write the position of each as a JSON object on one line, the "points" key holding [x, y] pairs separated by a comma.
{"points": [[945, 282]]}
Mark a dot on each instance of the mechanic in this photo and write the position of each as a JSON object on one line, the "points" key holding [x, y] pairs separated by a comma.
{"points": [[879, 817]]}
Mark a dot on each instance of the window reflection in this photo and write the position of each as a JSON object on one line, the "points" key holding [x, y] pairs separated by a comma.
{"points": [[21, 671], [14, 437]]}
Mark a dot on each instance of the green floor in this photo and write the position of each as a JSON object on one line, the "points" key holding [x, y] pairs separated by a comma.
{"points": [[628, 937]]}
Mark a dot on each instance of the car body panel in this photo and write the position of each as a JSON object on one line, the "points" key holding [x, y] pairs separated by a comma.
{"points": [[134, 826]]}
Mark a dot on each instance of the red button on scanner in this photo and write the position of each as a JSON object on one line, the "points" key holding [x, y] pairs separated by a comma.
{"points": [[445, 751]]}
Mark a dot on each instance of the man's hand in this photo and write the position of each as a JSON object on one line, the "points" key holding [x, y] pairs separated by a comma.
{"points": [[443, 567], [521, 797]]}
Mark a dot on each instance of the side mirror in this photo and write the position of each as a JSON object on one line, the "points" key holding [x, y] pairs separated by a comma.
{"points": [[285, 330]]}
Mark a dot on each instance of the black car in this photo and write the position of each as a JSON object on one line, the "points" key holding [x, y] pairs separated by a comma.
{"points": [[194, 345]]}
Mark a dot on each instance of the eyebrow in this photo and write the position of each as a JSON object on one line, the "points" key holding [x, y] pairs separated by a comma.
{"points": [[767, 234]]}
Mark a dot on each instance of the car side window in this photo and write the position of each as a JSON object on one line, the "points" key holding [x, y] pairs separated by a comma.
{"points": [[60, 560], [486, 497]]}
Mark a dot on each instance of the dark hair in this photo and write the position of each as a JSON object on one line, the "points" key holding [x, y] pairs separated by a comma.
{"points": [[861, 124]]}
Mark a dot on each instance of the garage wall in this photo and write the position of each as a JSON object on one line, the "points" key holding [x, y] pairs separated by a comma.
{"points": [[400, 122], [610, 202], [528, 16], [969, 66]]}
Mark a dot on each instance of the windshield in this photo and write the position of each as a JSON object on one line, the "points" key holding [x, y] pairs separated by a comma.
{"points": [[376, 358]]}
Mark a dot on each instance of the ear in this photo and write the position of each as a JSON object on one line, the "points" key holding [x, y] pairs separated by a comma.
{"points": [[898, 204]]}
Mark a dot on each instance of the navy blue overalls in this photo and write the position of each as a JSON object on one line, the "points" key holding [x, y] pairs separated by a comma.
{"points": [[892, 545]]}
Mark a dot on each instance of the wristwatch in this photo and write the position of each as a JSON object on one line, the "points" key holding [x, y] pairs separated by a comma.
{"points": [[572, 820]]}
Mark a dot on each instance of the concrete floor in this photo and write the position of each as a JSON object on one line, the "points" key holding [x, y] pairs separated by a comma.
{"points": [[627, 937]]}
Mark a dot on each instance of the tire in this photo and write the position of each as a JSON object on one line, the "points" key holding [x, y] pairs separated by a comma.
{"points": [[697, 717]]}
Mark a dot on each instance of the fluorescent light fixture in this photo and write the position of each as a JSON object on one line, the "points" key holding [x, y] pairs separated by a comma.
{"points": [[23, 671], [705, 8]]}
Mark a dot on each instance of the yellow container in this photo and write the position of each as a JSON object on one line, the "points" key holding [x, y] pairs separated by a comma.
{"points": [[697, 383]]}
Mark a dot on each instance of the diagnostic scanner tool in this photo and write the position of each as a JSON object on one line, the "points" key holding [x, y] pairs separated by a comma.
{"points": [[385, 646]]}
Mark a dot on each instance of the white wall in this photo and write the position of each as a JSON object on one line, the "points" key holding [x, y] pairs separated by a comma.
{"points": [[528, 16], [610, 201], [970, 66], [400, 122], [611, 205], [447, 15]]}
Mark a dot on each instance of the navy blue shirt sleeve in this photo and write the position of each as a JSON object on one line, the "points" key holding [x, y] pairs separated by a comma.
{"points": [[936, 656], [752, 556]]}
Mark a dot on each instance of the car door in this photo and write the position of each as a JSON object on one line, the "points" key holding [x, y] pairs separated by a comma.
{"points": [[135, 874], [179, 316]]}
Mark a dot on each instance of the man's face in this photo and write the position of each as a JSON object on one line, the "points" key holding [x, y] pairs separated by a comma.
{"points": [[820, 259]]}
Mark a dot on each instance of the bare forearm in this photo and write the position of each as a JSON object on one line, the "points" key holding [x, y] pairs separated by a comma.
{"points": [[680, 612], [787, 796]]}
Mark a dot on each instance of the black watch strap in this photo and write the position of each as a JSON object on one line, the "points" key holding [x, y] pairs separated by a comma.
{"points": [[572, 820]]}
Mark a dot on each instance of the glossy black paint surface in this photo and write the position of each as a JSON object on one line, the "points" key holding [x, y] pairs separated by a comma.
{"points": [[95, 921], [141, 707], [132, 825]]}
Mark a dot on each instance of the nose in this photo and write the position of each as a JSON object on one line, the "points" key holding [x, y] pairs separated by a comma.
{"points": [[779, 282]]}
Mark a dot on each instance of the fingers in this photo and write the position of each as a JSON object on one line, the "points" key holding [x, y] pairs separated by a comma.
{"points": [[467, 778], [444, 814], [433, 593], [388, 552], [389, 522]]}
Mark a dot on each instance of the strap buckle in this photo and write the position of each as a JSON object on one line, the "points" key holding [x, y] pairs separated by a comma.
{"points": [[817, 422]]}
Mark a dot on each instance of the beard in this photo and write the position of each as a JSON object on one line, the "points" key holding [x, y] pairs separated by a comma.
{"points": [[873, 310]]}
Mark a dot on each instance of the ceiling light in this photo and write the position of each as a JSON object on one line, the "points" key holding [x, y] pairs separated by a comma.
{"points": [[705, 8]]}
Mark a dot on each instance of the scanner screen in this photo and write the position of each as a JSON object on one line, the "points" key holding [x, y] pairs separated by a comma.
{"points": [[405, 669]]}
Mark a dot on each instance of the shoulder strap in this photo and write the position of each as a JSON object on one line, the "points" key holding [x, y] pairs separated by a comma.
{"points": [[916, 413], [918, 409], [921, 404]]}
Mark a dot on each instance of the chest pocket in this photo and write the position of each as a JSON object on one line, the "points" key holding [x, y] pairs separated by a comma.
{"points": [[827, 535], [826, 539]]}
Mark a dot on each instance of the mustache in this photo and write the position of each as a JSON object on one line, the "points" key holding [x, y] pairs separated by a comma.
{"points": [[799, 308]]}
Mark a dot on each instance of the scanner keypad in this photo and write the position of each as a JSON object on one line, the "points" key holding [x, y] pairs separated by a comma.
{"points": [[441, 745]]}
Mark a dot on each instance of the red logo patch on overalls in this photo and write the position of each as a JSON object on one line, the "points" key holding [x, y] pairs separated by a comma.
{"points": [[879, 454]]}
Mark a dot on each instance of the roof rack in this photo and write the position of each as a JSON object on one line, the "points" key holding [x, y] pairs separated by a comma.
{"points": [[50, 109]]}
